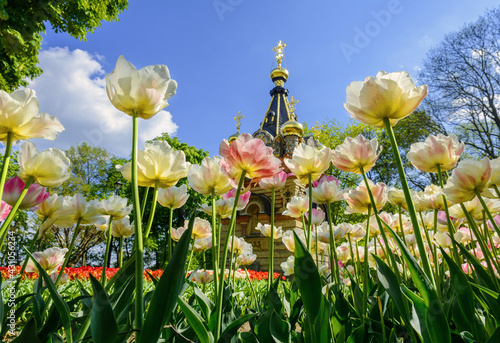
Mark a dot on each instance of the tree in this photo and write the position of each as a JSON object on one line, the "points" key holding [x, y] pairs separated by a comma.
{"points": [[463, 74], [90, 171], [93, 174], [22, 22]]}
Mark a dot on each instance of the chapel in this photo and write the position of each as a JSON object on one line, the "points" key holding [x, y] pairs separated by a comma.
{"points": [[281, 131]]}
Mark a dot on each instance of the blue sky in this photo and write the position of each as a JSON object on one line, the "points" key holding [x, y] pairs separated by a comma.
{"points": [[220, 54]]}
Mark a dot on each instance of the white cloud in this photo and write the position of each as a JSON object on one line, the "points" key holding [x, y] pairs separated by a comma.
{"points": [[72, 88]]}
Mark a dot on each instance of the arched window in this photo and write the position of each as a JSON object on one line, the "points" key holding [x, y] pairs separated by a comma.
{"points": [[253, 211]]}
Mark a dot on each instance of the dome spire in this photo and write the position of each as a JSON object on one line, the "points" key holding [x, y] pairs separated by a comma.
{"points": [[278, 49], [279, 75], [238, 125]]}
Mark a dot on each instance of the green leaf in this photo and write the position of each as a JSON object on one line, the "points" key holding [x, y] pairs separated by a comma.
{"points": [[307, 278], [51, 324], [169, 287], [232, 328], [122, 300], [28, 334], [418, 314], [102, 323], [261, 329], [495, 337], [204, 302], [390, 282], [482, 275], [279, 329], [358, 335], [435, 318], [62, 307], [195, 321], [123, 274], [464, 307]]}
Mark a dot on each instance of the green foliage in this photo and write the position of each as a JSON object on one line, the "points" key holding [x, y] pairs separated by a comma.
{"points": [[93, 173], [21, 25]]}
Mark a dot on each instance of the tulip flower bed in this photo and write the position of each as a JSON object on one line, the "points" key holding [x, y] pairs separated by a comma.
{"points": [[82, 273], [426, 273]]}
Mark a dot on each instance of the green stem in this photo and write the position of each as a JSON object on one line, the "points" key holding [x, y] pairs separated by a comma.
{"points": [[451, 228], [6, 161], [251, 287], [333, 247], [106, 254], [487, 211], [170, 243], [231, 261], [490, 240], [144, 201], [402, 232], [139, 245], [496, 190], [270, 273], [365, 268], [25, 263], [70, 250], [215, 247], [13, 210], [472, 225], [192, 252], [152, 211], [353, 259], [380, 225], [218, 308], [316, 243], [120, 255], [434, 256], [409, 201], [309, 219]]}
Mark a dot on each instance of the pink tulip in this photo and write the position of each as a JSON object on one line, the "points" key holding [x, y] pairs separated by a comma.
{"points": [[436, 150], [356, 153], [173, 197], [297, 206], [327, 191], [201, 229], [318, 216], [266, 230], [203, 276], [359, 200], [274, 182], [325, 178], [14, 187], [208, 177], [467, 178], [308, 161], [249, 155], [4, 210], [49, 259], [223, 208], [202, 244], [442, 219], [242, 200]]}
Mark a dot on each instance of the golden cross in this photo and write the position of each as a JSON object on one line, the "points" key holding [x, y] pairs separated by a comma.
{"points": [[279, 52], [291, 105], [238, 121]]}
